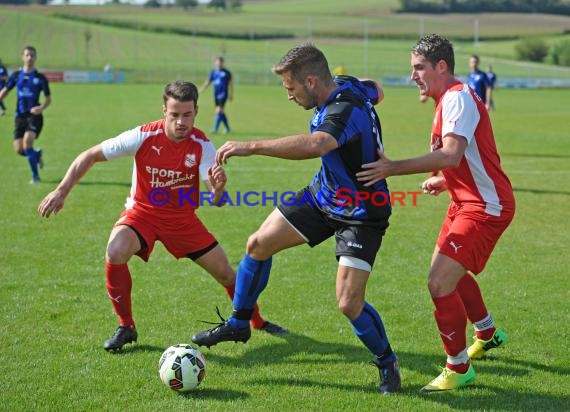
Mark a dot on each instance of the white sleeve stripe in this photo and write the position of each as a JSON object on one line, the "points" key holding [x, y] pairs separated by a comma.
{"points": [[208, 157], [459, 114], [483, 181], [127, 143]]}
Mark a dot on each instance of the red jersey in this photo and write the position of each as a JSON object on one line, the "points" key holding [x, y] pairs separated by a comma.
{"points": [[479, 178], [165, 175]]}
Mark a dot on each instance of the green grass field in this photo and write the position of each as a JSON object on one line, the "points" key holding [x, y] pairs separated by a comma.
{"points": [[55, 313], [151, 57]]}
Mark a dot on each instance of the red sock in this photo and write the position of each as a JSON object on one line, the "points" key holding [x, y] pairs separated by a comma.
{"points": [[451, 320], [256, 320], [119, 285], [474, 305]]}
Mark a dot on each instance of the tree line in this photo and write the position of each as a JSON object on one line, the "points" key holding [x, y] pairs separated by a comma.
{"points": [[478, 6], [186, 4]]}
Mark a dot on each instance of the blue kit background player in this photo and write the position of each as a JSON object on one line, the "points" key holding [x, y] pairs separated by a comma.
{"points": [[492, 78], [223, 90], [29, 84], [345, 130], [3, 78], [479, 81]]}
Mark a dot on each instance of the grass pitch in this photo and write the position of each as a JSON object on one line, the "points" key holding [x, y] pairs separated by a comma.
{"points": [[157, 57], [55, 313]]}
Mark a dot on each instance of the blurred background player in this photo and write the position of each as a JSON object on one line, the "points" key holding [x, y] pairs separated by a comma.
{"points": [[482, 206], [492, 78], [344, 130], [479, 82], [170, 157], [3, 78], [29, 121], [340, 70], [223, 90]]}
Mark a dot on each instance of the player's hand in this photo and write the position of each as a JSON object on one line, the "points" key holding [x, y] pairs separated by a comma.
{"points": [[36, 110], [217, 177], [230, 149], [434, 185], [52, 203], [375, 171]]}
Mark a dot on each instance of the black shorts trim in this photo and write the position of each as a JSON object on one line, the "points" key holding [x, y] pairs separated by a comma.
{"points": [[143, 243], [358, 239], [28, 122], [198, 254], [220, 102]]}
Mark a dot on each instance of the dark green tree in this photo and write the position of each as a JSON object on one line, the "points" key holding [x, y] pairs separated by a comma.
{"points": [[186, 4], [217, 4]]}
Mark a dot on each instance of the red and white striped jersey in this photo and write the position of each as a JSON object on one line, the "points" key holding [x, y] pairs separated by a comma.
{"points": [[479, 177], [165, 173]]}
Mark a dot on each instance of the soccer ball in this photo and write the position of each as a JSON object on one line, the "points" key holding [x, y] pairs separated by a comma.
{"points": [[182, 367]]}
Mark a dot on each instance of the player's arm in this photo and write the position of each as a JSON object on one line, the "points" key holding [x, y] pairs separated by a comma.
{"points": [[47, 100], [434, 185], [216, 183], [10, 84], [296, 147], [39, 109], [230, 89], [489, 96], [206, 84], [54, 201], [448, 157]]}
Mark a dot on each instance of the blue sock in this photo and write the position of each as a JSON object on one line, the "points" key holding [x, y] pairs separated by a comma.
{"points": [[370, 330], [217, 121], [33, 161], [225, 121], [252, 278]]}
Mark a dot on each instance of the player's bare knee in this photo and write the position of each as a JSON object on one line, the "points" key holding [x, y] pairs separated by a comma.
{"points": [[225, 275], [116, 254], [350, 308], [255, 248], [436, 286]]}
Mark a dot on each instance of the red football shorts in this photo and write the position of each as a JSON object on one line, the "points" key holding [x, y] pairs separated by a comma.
{"points": [[182, 237], [469, 235]]}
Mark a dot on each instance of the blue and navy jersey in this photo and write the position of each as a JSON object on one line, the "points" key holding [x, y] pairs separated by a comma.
{"points": [[479, 82], [349, 116], [221, 79], [28, 85], [492, 78], [3, 76]]}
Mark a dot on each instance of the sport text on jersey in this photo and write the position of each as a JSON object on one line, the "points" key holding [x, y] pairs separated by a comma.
{"points": [[174, 178]]}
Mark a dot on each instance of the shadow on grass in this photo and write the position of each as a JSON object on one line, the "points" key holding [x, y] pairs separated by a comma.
{"points": [[541, 191], [228, 395], [289, 346], [479, 396], [90, 183], [484, 397], [138, 348], [537, 155]]}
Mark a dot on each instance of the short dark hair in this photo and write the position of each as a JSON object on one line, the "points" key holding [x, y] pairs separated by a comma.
{"points": [[476, 57], [32, 49], [435, 48], [302, 61], [181, 91]]}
